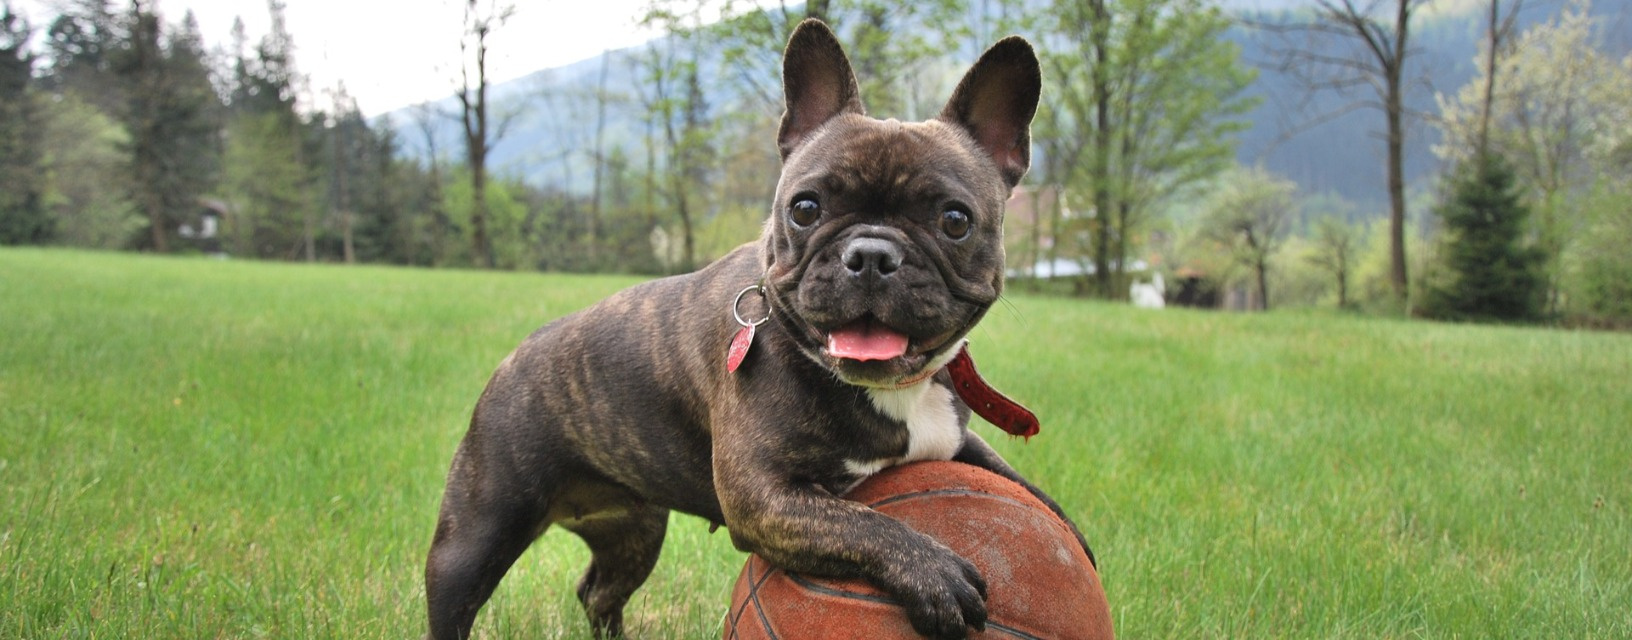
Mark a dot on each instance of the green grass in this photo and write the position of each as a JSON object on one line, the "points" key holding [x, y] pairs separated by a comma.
{"points": [[197, 448]]}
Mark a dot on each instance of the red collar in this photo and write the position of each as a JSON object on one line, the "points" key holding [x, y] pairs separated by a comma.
{"points": [[990, 404], [981, 398]]}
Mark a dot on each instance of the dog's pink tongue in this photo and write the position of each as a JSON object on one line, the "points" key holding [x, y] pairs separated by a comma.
{"points": [[866, 341]]}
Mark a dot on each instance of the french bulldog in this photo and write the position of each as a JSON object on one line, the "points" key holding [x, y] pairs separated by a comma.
{"points": [[754, 392]]}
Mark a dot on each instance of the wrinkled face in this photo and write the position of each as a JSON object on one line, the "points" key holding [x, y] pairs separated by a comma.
{"points": [[885, 245]]}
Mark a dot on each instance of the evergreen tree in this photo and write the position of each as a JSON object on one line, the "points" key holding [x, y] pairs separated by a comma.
{"points": [[168, 110], [82, 41], [384, 230], [23, 218], [1491, 273], [270, 177]]}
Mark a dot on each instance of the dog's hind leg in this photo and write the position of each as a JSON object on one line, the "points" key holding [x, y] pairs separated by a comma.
{"points": [[487, 520], [625, 537]]}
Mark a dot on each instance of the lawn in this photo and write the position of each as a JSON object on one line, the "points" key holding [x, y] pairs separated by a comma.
{"points": [[199, 448]]}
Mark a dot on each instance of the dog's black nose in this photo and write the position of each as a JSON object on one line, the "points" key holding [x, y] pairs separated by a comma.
{"points": [[875, 255]]}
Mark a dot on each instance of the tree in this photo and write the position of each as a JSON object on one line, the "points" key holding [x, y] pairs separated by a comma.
{"points": [[602, 98], [269, 176], [1491, 274], [676, 109], [1601, 280], [887, 42], [82, 42], [894, 58], [1559, 98], [1142, 102], [1249, 214], [388, 209], [480, 133], [23, 216], [348, 147], [438, 224], [85, 191], [1335, 250], [168, 105], [1497, 32], [1347, 45], [268, 185]]}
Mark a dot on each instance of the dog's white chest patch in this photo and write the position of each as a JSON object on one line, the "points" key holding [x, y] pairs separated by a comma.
{"points": [[933, 432]]}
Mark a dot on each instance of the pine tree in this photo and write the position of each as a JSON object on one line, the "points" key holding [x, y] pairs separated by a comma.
{"points": [[1492, 273], [23, 218], [83, 42], [270, 174], [169, 110]]}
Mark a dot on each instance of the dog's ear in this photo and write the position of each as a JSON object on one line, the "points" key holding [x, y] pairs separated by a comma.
{"points": [[995, 102], [817, 82]]}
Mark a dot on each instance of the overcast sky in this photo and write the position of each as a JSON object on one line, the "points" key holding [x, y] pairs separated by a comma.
{"points": [[393, 53]]}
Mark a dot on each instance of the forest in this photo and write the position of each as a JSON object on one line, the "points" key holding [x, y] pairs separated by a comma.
{"points": [[1504, 197]]}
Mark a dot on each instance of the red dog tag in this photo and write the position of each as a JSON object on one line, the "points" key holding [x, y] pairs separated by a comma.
{"points": [[739, 348], [745, 336]]}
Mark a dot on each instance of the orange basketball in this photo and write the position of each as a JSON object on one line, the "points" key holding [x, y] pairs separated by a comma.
{"points": [[1039, 582]]}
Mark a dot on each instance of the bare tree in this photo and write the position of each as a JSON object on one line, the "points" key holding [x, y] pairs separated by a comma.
{"points": [[678, 126], [1497, 32], [340, 141], [425, 117], [595, 199], [480, 134], [1348, 44]]}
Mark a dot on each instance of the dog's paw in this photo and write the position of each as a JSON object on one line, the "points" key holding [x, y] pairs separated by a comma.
{"points": [[944, 596]]}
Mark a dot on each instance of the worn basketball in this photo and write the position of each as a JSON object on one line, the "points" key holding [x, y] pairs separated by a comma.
{"points": [[1040, 584]]}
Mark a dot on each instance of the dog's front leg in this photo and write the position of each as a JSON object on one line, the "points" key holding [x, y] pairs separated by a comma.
{"points": [[975, 451], [799, 526]]}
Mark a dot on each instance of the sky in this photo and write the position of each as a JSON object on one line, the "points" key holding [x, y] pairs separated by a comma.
{"points": [[395, 53]]}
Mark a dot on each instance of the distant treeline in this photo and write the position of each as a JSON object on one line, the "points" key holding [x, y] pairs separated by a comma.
{"points": [[129, 133], [126, 132]]}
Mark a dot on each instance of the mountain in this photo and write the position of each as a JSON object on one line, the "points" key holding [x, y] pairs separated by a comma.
{"points": [[549, 138]]}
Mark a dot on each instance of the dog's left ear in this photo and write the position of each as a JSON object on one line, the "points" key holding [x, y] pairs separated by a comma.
{"points": [[995, 102]]}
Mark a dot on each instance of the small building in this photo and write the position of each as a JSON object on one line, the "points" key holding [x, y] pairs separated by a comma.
{"points": [[202, 229]]}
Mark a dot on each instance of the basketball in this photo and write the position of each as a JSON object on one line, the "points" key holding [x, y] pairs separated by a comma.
{"points": [[1040, 584]]}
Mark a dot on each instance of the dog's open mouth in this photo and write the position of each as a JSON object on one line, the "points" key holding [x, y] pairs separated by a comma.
{"points": [[866, 340], [870, 353]]}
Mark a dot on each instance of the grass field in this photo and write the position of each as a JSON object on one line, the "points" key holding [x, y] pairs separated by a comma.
{"points": [[199, 449]]}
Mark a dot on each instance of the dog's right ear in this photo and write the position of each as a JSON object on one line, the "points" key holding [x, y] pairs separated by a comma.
{"points": [[817, 83]]}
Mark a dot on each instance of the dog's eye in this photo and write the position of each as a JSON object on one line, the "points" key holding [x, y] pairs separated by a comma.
{"points": [[804, 212], [955, 224]]}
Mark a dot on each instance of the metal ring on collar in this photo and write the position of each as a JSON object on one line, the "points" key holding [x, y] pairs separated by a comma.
{"points": [[738, 302]]}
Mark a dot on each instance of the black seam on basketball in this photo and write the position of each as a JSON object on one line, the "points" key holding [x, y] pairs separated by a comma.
{"points": [[949, 492], [753, 593], [752, 586], [753, 596], [808, 584], [993, 626]]}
